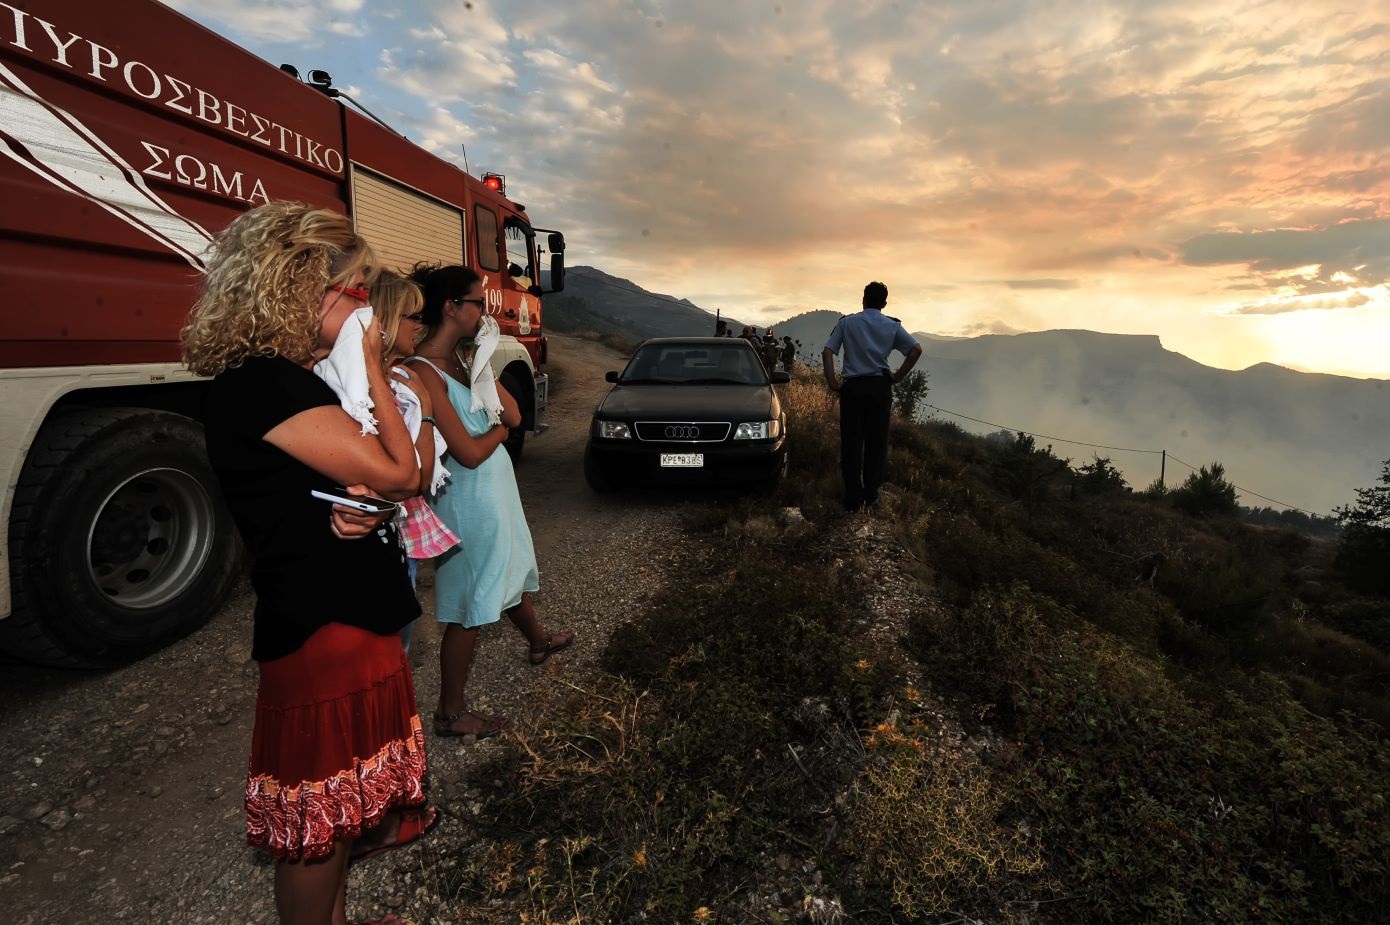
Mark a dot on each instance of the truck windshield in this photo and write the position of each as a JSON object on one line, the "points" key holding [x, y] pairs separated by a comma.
{"points": [[692, 364]]}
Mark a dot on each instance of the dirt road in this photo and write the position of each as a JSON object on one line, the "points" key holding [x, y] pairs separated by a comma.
{"points": [[122, 797]]}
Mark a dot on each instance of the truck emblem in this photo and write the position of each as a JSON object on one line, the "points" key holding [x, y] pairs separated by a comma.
{"points": [[49, 141]]}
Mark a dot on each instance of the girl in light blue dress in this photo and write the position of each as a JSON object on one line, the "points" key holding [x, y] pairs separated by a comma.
{"points": [[493, 569]]}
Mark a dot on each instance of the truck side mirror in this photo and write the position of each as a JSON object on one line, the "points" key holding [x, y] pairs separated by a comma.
{"points": [[555, 242], [610, 376], [780, 376], [557, 270]]}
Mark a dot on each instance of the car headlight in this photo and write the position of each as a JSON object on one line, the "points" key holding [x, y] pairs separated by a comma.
{"points": [[614, 430], [758, 430]]}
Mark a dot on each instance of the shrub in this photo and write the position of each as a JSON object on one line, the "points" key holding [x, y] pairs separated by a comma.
{"points": [[683, 757], [1157, 806], [1363, 554], [1100, 477], [1206, 493], [910, 395], [924, 829]]}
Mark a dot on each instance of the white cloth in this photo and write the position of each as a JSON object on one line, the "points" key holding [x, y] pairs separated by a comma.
{"points": [[345, 370], [482, 383], [409, 404]]}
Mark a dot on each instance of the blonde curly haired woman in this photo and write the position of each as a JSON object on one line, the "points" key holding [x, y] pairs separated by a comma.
{"points": [[337, 748]]}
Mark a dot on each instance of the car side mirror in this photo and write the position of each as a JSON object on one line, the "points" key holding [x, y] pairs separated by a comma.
{"points": [[611, 376], [780, 376]]}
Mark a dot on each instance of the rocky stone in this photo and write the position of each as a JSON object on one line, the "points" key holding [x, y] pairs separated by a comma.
{"points": [[56, 820], [38, 810], [165, 731], [8, 824], [85, 804], [156, 791]]}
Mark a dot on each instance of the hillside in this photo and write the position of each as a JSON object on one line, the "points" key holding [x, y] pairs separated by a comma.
{"points": [[595, 301], [987, 702]]}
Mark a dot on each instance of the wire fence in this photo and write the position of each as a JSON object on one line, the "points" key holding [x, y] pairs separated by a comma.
{"points": [[1120, 449]]}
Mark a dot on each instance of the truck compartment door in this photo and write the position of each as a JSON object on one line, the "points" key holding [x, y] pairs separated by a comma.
{"points": [[404, 226]]}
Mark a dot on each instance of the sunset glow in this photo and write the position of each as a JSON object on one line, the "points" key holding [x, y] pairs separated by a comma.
{"points": [[1215, 174]]}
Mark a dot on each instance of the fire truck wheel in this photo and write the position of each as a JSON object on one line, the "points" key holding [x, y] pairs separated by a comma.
{"points": [[119, 540], [516, 436]]}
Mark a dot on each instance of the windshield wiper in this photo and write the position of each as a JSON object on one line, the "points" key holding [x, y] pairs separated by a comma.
{"points": [[716, 381]]}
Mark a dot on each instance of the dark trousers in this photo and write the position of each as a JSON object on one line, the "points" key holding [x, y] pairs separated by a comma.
{"points": [[865, 406]]}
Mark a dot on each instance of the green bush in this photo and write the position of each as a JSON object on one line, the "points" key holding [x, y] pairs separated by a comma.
{"points": [[660, 787], [1363, 553], [1157, 806], [1206, 493]]}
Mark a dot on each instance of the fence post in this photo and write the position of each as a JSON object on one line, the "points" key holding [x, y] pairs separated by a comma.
{"points": [[1162, 467]]}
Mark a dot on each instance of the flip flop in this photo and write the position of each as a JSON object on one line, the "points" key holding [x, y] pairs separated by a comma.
{"points": [[415, 825], [491, 725], [538, 656]]}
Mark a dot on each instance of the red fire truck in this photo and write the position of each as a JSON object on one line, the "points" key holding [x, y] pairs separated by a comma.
{"points": [[129, 136]]}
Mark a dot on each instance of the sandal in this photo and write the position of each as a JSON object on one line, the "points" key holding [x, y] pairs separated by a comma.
{"points": [[490, 726], [538, 656], [415, 824]]}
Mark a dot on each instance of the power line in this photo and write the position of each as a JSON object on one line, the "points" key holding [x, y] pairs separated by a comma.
{"points": [[1123, 449], [1098, 446]]}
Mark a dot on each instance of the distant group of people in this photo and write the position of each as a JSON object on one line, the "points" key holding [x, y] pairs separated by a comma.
{"points": [[769, 348], [328, 372]]}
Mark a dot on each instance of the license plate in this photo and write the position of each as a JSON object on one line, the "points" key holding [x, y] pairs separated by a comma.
{"points": [[682, 460]]}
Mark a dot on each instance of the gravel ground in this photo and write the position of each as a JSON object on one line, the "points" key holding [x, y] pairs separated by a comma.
{"points": [[123, 791]]}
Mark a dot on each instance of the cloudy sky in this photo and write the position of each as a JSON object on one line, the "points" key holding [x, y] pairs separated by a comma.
{"points": [[1216, 173]]}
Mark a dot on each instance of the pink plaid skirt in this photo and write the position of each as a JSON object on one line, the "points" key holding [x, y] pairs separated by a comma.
{"points": [[423, 534]]}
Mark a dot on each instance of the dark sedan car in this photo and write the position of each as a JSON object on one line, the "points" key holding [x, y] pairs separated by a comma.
{"points": [[689, 410]]}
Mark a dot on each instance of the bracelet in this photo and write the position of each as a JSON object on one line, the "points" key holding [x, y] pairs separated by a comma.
{"points": [[426, 419]]}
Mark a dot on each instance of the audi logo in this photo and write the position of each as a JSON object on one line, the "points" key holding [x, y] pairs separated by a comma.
{"points": [[682, 431]]}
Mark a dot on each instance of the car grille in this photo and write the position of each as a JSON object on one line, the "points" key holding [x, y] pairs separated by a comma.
{"points": [[683, 431]]}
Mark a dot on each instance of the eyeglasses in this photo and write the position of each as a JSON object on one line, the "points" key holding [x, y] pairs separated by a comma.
{"points": [[417, 317], [360, 293], [478, 302]]}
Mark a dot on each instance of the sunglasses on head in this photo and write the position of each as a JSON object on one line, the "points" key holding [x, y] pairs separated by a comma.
{"points": [[478, 302], [360, 293]]}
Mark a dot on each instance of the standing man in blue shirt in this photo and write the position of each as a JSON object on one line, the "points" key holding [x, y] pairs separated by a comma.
{"points": [[866, 391]]}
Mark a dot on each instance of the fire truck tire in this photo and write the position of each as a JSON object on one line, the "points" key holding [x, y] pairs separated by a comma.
{"points": [[119, 540], [516, 436]]}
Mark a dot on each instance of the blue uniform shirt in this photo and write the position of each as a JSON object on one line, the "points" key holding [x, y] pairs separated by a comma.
{"points": [[868, 337]]}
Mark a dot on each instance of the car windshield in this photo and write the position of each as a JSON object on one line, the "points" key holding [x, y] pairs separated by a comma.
{"points": [[695, 364]]}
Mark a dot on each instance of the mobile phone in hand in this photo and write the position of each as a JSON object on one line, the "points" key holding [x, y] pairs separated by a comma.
{"points": [[365, 503]]}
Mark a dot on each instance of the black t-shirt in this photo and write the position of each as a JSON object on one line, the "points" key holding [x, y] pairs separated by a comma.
{"points": [[304, 576]]}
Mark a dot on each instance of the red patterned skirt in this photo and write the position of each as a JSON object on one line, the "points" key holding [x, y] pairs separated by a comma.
{"points": [[337, 743]]}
